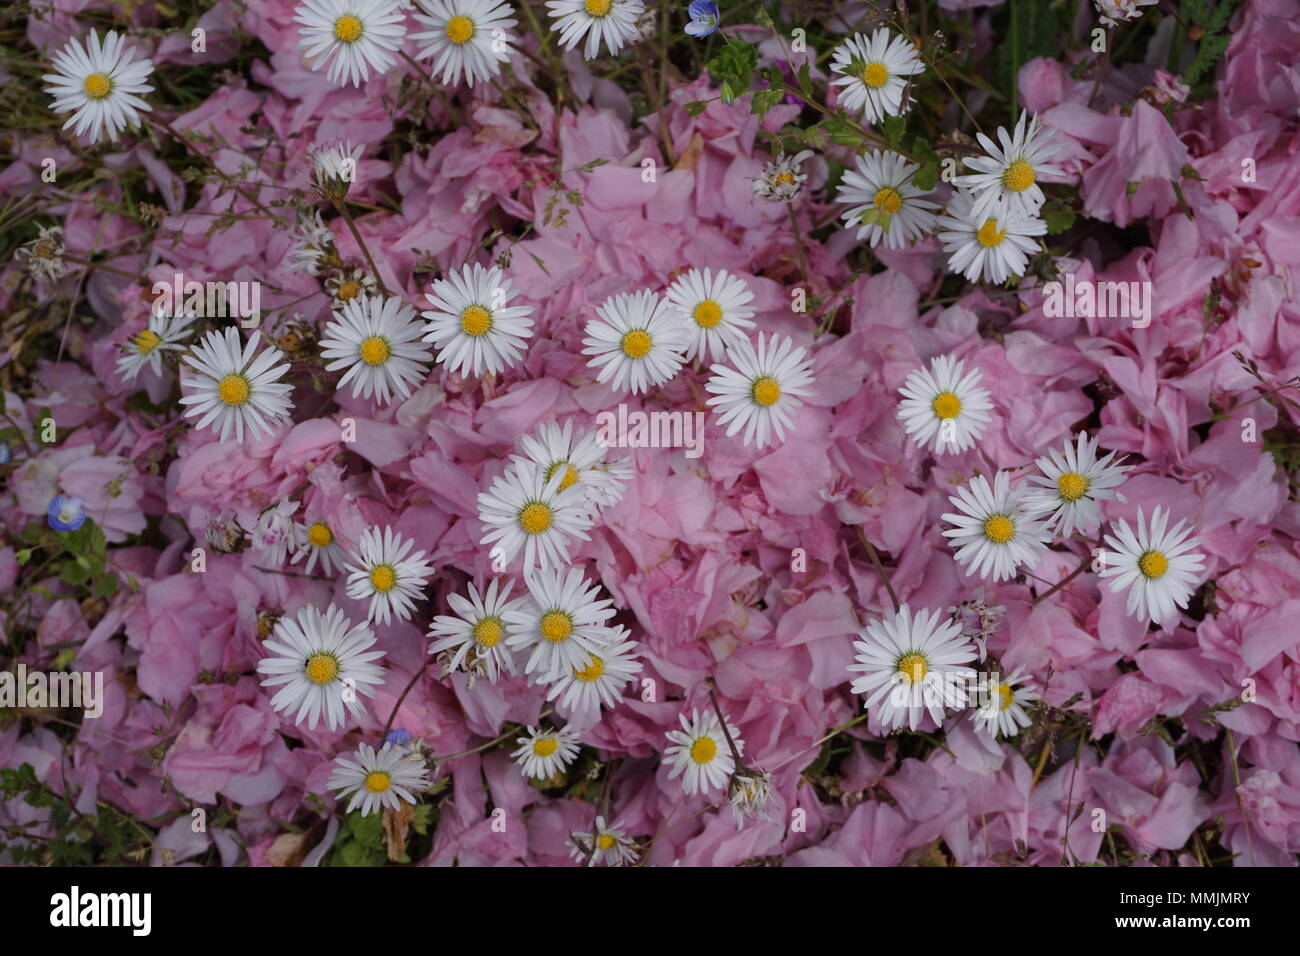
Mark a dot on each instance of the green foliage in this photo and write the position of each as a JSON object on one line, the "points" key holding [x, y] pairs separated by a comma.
{"points": [[1215, 39], [110, 837], [734, 67], [360, 841]]}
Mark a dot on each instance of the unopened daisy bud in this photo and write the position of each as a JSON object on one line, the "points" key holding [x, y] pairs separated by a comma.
{"points": [[749, 792], [781, 180], [334, 169]]}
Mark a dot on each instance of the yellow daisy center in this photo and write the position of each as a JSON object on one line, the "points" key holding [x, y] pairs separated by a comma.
{"points": [[999, 529], [598, 8], [475, 321], [488, 632], [989, 235], [786, 179], [570, 474], [1006, 695], [545, 747], [889, 199], [947, 405], [375, 351], [460, 29], [1019, 176], [604, 842], [704, 750], [556, 626], [322, 668], [637, 343], [1153, 564], [592, 671], [98, 86], [875, 75], [348, 28], [320, 535], [1072, 486], [708, 314], [535, 518], [913, 667], [233, 390], [383, 578], [765, 391], [147, 341], [348, 290], [377, 781]]}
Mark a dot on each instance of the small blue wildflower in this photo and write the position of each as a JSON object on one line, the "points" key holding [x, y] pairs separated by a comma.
{"points": [[6, 455], [66, 514], [398, 737], [704, 18]]}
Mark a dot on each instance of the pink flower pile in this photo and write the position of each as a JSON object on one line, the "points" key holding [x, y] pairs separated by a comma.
{"points": [[742, 575]]}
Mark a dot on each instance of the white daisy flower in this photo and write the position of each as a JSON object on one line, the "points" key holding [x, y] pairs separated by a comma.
{"points": [[994, 533], [713, 308], [989, 245], [544, 753], [1156, 564], [385, 571], [749, 791], [165, 333], [1072, 485], [320, 544], [584, 690], [476, 332], [613, 22], [1010, 173], [1003, 713], [911, 665], [636, 343], [352, 36], [235, 388], [873, 73], [350, 285], [576, 453], [321, 663], [526, 513], [313, 242], [885, 205], [782, 179], [465, 36], [44, 254], [1114, 12], [98, 85], [377, 340], [276, 533], [942, 408], [562, 626], [379, 781], [699, 753], [473, 638], [606, 845], [761, 393]]}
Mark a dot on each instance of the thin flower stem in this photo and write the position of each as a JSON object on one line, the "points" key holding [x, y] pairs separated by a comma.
{"points": [[342, 206], [1087, 558], [717, 709], [880, 569], [798, 243]]}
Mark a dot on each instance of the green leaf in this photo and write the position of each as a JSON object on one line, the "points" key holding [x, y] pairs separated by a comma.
{"points": [[105, 585], [764, 100], [23, 556], [1058, 220], [696, 107], [894, 127]]}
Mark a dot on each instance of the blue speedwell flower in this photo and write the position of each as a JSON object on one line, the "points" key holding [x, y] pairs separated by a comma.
{"points": [[398, 737], [66, 514], [6, 455], [704, 18]]}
